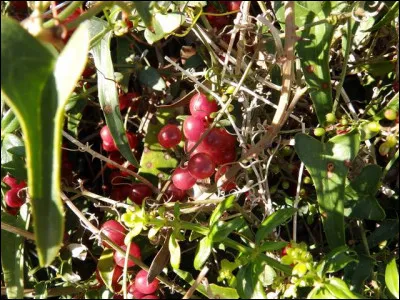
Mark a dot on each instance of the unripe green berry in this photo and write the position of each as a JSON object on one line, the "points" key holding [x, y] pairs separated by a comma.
{"points": [[230, 90], [287, 260], [307, 180], [285, 185], [330, 118], [344, 121], [300, 270], [287, 150], [230, 108], [303, 193], [384, 149], [390, 114], [224, 98], [275, 169], [374, 127], [391, 141], [273, 189], [319, 131]]}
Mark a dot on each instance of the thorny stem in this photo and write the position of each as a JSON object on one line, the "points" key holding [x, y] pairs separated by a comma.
{"points": [[107, 160]]}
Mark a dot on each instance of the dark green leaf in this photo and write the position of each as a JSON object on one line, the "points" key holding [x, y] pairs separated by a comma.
{"points": [[221, 208], [151, 78], [337, 259], [360, 201], [392, 278], [143, 9], [12, 258], [277, 218], [107, 89], [38, 101], [388, 229], [339, 289], [41, 290], [221, 230], [271, 246], [249, 285], [203, 251], [326, 164], [357, 273]]}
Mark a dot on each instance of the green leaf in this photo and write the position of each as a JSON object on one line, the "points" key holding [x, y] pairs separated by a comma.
{"points": [[268, 225], [10, 162], [339, 289], [357, 272], [393, 104], [164, 24], [249, 283], [106, 267], [319, 292], [326, 164], [271, 246], [203, 251], [392, 278], [221, 292], [220, 230], [38, 101], [222, 208], [108, 96], [12, 258], [151, 78], [390, 15], [360, 201], [41, 290], [143, 9], [336, 260], [9, 123], [175, 252], [156, 162], [388, 229]]}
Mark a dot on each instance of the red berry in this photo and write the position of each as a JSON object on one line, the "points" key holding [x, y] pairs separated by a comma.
{"points": [[229, 185], [284, 250], [201, 166], [218, 140], [89, 71], [117, 273], [12, 210], [139, 192], [109, 147], [182, 179], [225, 157], [129, 99], [175, 194], [13, 182], [134, 292], [116, 178], [119, 259], [201, 107], [233, 5], [114, 231], [120, 192], [142, 285], [150, 297], [132, 140], [19, 5], [193, 128], [108, 141], [13, 199], [116, 157], [169, 136], [129, 167]]}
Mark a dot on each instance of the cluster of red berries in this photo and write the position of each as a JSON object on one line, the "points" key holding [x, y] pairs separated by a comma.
{"points": [[14, 197], [216, 148], [139, 287]]}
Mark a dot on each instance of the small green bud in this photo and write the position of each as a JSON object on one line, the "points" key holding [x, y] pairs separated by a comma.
{"points": [[344, 121], [307, 180], [224, 98], [286, 260], [230, 90], [390, 114], [300, 270], [319, 131], [230, 108], [384, 149], [287, 150], [391, 141], [374, 127], [285, 185], [330, 118], [275, 169]]}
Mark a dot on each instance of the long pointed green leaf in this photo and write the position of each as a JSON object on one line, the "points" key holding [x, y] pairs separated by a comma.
{"points": [[392, 278], [326, 164], [12, 258], [36, 87], [107, 88]]}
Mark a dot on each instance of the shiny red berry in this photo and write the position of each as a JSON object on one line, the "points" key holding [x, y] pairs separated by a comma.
{"points": [[201, 166], [120, 192], [13, 198], [116, 157], [119, 259], [139, 192], [142, 285], [193, 128], [201, 107], [182, 179], [174, 194], [114, 231], [169, 136]]}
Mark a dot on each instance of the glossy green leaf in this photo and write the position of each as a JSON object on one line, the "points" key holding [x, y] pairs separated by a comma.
{"points": [[175, 252], [156, 162], [356, 273], [9, 123], [360, 200], [203, 251], [222, 208], [163, 25], [339, 289], [10, 162], [249, 285], [387, 230], [151, 78], [271, 246], [326, 164], [392, 278], [106, 266], [389, 16], [12, 258], [108, 96], [220, 230], [38, 101], [336, 260], [143, 9], [269, 224]]}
